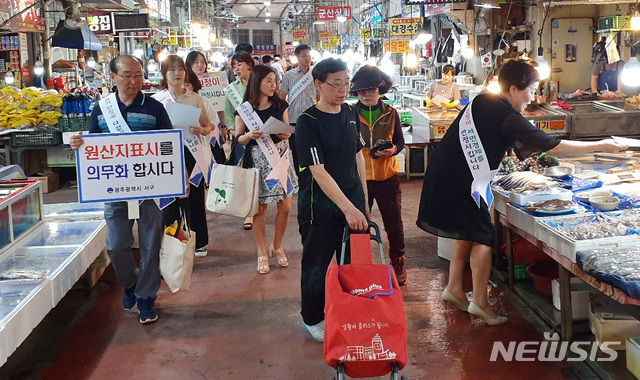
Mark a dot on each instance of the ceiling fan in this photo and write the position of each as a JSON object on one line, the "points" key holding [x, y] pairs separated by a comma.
{"points": [[73, 20]]}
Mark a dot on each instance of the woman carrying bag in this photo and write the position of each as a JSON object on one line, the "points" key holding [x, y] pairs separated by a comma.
{"points": [[174, 72], [265, 103], [242, 64]]}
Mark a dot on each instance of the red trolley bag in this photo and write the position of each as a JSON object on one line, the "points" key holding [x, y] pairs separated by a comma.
{"points": [[365, 331]]}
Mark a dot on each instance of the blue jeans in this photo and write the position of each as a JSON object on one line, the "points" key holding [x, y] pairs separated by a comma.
{"points": [[119, 242]]}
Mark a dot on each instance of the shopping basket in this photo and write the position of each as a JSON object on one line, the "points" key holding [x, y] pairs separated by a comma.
{"points": [[365, 330]]}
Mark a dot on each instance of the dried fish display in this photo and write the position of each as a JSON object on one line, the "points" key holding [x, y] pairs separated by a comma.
{"points": [[624, 262], [15, 274], [599, 225], [517, 180]]}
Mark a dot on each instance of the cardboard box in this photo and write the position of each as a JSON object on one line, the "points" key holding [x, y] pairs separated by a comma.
{"points": [[50, 181], [579, 297], [610, 322]]}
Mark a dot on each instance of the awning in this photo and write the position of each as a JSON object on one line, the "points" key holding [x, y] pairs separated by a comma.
{"points": [[81, 38]]}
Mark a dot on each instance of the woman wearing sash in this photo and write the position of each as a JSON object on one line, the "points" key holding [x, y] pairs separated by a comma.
{"points": [[242, 64], [174, 72], [448, 205], [261, 94], [196, 65]]}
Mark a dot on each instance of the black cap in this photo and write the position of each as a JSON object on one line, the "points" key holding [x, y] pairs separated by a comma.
{"points": [[370, 77]]}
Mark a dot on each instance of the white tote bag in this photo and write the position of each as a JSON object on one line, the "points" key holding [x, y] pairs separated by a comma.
{"points": [[176, 258], [233, 190]]}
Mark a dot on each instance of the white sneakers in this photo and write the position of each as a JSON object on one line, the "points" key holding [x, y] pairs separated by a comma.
{"points": [[201, 252], [316, 331]]}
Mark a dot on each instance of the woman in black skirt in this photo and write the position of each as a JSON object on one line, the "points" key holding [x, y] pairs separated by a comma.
{"points": [[481, 135]]}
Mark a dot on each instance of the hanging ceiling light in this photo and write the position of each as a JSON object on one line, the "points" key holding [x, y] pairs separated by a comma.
{"points": [[268, 14], [543, 66], [267, 3], [152, 65], [91, 62], [267, 20], [635, 21], [631, 72], [493, 86], [422, 38], [38, 68], [9, 78], [487, 4], [341, 18], [163, 55], [411, 60], [467, 52], [138, 51]]}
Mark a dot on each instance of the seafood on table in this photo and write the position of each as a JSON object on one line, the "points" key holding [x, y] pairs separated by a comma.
{"points": [[518, 180], [550, 205]]}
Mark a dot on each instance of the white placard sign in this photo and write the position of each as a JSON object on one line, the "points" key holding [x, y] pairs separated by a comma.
{"points": [[131, 165], [213, 85]]}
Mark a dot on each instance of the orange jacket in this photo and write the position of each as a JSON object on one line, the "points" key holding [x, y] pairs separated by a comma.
{"points": [[382, 168]]}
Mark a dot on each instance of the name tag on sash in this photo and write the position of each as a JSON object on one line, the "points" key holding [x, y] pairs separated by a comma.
{"points": [[300, 85], [476, 159], [112, 115]]}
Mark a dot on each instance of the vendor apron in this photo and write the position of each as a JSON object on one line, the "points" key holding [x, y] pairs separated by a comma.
{"points": [[279, 164], [608, 80], [476, 159], [300, 85]]}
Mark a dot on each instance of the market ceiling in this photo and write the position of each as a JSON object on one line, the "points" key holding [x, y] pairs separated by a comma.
{"points": [[256, 9]]}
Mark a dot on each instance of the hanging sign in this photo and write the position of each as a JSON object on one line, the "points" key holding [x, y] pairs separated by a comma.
{"points": [[324, 34], [299, 34], [379, 33], [28, 21], [100, 22], [265, 49], [330, 13], [404, 26], [365, 33], [397, 46]]}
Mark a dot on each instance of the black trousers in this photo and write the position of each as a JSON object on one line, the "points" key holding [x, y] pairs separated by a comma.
{"points": [[294, 152], [218, 153], [388, 195], [319, 243]]}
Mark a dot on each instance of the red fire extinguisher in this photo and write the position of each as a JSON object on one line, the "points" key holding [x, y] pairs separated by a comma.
{"points": [[427, 49], [81, 60]]}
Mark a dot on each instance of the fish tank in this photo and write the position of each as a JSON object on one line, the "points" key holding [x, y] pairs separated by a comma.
{"points": [[20, 210]]}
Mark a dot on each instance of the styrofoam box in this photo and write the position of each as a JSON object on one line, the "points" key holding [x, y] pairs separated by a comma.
{"points": [[400, 157], [611, 324], [568, 247], [444, 247], [522, 199], [633, 356], [579, 297], [521, 219]]}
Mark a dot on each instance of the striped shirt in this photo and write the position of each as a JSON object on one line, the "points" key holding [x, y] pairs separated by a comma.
{"points": [[304, 100]]}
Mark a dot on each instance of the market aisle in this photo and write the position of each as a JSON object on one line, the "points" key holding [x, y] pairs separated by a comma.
{"points": [[237, 324]]}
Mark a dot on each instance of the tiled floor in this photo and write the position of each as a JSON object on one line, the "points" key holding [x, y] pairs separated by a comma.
{"points": [[235, 323]]}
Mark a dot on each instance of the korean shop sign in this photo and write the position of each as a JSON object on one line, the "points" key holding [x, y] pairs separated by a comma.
{"points": [[404, 26], [397, 46], [324, 34], [299, 34], [330, 13], [213, 85], [365, 33], [100, 22], [132, 165]]}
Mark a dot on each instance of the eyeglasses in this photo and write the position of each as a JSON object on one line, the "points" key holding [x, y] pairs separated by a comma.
{"points": [[130, 76], [347, 84], [367, 91]]}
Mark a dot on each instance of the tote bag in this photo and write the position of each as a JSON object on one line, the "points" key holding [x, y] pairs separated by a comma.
{"points": [[233, 190], [176, 257]]}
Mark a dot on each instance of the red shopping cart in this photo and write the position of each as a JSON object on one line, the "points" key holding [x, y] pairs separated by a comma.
{"points": [[365, 330]]}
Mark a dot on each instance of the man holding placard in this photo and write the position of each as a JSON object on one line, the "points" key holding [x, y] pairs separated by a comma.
{"points": [[127, 110]]}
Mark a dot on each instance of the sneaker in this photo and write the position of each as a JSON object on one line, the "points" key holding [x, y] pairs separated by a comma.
{"points": [[147, 313], [398, 267], [201, 252], [316, 331], [129, 298]]}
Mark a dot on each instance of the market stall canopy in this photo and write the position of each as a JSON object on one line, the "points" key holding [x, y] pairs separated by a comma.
{"points": [[81, 38]]}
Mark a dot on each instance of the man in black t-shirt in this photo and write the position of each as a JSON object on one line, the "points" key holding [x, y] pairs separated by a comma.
{"points": [[332, 183]]}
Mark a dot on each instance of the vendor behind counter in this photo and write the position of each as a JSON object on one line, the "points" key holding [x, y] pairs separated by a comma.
{"points": [[445, 88], [607, 67]]}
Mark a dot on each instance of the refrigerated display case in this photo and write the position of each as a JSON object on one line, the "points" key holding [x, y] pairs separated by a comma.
{"points": [[603, 119], [45, 251], [552, 121]]}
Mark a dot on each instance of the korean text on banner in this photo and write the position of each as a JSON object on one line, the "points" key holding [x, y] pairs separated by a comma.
{"points": [[213, 85], [131, 165], [404, 26]]}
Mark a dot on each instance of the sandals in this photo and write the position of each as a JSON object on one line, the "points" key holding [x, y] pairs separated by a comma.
{"points": [[281, 259], [263, 264], [247, 226]]}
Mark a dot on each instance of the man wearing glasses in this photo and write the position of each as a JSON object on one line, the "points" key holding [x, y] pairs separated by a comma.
{"points": [[332, 184], [140, 113], [297, 86]]}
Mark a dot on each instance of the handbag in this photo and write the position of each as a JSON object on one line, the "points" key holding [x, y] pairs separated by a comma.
{"points": [[176, 256], [233, 190]]}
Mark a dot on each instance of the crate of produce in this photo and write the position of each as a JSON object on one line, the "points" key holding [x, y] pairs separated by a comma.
{"points": [[605, 22], [74, 123], [38, 138]]}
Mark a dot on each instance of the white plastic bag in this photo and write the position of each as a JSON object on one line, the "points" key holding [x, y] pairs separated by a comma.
{"points": [[176, 258]]}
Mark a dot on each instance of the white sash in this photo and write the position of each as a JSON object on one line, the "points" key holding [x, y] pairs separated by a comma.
{"points": [[279, 165], [112, 115], [196, 146], [300, 85], [476, 159], [233, 95]]}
